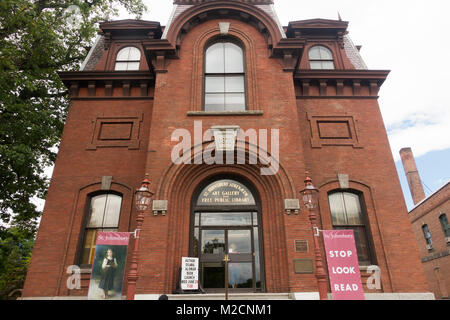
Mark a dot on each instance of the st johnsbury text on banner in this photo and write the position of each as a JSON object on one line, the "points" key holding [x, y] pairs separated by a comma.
{"points": [[109, 266]]}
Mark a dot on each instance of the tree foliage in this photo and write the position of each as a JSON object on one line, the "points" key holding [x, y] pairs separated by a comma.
{"points": [[38, 38], [16, 245]]}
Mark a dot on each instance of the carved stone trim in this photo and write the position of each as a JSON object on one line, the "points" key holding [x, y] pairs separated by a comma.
{"points": [[305, 87], [374, 88], [356, 87], [340, 87], [130, 140], [126, 88], [359, 83], [292, 206], [339, 130], [343, 180], [73, 89], [109, 88], [91, 89], [106, 182], [160, 206], [93, 80], [224, 28], [323, 87], [221, 9], [225, 113]]}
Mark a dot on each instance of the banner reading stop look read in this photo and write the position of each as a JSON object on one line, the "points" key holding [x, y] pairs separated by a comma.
{"points": [[343, 266]]}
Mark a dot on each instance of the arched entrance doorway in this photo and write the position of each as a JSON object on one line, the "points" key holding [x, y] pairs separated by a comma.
{"points": [[226, 219]]}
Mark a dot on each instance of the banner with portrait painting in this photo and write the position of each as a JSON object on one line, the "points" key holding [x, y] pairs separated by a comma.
{"points": [[108, 268]]}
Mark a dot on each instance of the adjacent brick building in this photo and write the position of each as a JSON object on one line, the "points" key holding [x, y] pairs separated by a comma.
{"points": [[230, 66], [429, 218]]}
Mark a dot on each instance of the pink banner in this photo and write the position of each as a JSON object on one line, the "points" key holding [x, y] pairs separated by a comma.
{"points": [[343, 266], [113, 238]]}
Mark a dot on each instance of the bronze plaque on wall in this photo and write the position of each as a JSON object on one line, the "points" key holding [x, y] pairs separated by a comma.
{"points": [[301, 246], [303, 266]]}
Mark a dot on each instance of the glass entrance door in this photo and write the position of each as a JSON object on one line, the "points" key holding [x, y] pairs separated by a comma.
{"points": [[226, 220], [241, 264], [233, 233], [238, 243]]}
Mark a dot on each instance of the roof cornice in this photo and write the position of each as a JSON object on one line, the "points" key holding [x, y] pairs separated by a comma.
{"points": [[316, 25], [379, 75]]}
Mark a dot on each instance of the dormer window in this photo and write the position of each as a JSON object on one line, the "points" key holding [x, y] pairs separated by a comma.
{"points": [[128, 59], [321, 58]]}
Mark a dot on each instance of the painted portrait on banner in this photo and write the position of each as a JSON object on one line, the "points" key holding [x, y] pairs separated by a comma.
{"points": [[109, 266]]}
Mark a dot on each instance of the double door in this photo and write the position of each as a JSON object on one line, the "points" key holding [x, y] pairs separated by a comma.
{"points": [[239, 238], [238, 243]]}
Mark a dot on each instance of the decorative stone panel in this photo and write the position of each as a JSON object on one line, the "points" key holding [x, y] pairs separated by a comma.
{"points": [[333, 131], [109, 132]]}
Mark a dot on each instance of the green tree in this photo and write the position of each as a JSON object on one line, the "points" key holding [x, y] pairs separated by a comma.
{"points": [[38, 38], [16, 245]]}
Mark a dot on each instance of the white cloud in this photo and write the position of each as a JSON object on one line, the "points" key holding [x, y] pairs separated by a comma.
{"points": [[423, 132]]}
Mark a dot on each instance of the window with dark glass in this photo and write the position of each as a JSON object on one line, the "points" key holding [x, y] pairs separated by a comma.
{"points": [[444, 223], [346, 214], [427, 235], [128, 59], [321, 57], [224, 77], [103, 216]]}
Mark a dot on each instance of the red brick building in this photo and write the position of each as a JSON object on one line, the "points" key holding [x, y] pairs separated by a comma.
{"points": [[225, 65], [429, 218]]}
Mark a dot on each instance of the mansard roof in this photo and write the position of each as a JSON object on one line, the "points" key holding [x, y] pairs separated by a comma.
{"points": [[186, 13]]}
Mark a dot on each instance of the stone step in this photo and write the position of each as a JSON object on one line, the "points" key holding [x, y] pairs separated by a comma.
{"points": [[231, 296]]}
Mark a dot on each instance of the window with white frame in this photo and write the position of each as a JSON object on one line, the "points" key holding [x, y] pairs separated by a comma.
{"points": [[224, 77], [347, 214], [321, 58], [102, 216], [128, 59]]}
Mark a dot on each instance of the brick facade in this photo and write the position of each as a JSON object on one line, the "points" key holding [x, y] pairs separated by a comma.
{"points": [[436, 260], [120, 125]]}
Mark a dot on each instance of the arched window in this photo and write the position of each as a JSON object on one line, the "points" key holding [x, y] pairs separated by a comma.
{"points": [[427, 236], [102, 216], [128, 59], [346, 213], [224, 77], [444, 223], [321, 57]]}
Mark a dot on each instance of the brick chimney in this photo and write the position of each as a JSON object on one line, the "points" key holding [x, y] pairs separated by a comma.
{"points": [[412, 175]]}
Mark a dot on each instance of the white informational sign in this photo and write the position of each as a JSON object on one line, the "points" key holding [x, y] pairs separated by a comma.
{"points": [[189, 273]]}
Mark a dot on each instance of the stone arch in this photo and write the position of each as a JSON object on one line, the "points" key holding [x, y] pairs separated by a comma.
{"points": [[222, 10], [282, 177], [178, 187]]}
